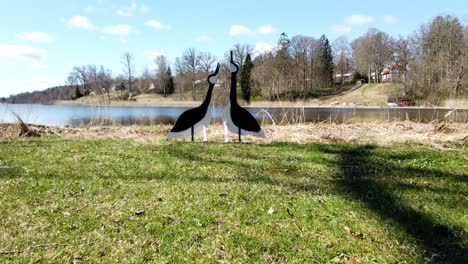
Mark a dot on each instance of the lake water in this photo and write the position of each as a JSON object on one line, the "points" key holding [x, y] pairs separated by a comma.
{"points": [[75, 116]]}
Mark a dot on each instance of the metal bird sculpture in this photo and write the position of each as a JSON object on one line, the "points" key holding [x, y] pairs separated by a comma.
{"points": [[236, 118], [196, 120]]}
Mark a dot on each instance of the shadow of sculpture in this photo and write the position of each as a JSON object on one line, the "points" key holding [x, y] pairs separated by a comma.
{"points": [[359, 178], [356, 172]]}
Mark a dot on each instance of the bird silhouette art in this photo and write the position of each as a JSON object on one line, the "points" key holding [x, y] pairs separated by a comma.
{"points": [[196, 120], [236, 118]]}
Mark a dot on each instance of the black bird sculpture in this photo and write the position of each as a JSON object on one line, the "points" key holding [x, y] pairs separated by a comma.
{"points": [[235, 118], [195, 120]]}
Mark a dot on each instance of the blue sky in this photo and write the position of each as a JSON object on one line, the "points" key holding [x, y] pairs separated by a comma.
{"points": [[41, 41]]}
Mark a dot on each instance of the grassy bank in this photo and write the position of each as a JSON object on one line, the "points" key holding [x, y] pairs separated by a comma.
{"points": [[368, 95], [371, 95], [107, 200]]}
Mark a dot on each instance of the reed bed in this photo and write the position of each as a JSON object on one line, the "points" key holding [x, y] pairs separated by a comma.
{"points": [[439, 134]]}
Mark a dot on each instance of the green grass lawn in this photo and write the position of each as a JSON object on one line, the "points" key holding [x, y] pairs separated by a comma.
{"points": [[127, 201]]}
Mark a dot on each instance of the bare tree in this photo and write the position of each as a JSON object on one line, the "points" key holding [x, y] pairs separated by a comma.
{"points": [[382, 49], [161, 73], [181, 76], [439, 59], [79, 76], [104, 77], [262, 74], [146, 79], [71, 80], [191, 63], [94, 85], [240, 51], [207, 61], [341, 50], [402, 57], [445, 48], [372, 51], [128, 68], [361, 57], [299, 46]]}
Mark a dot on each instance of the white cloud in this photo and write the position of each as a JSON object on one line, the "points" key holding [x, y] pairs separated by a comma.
{"points": [[152, 67], [22, 51], [2, 62], [36, 66], [157, 25], [359, 20], [81, 22], [265, 30], [35, 36], [349, 22], [203, 39], [152, 54], [237, 30], [128, 11], [390, 20], [261, 48], [341, 29], [118, 30]]}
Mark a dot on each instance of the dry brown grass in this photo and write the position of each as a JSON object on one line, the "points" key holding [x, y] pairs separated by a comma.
{"points": [[442, 135]]}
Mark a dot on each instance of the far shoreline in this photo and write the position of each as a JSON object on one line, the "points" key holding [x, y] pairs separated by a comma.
{"points": [[261, 104], [258, 104]]}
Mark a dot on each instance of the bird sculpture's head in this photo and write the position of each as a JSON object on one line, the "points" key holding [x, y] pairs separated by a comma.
{"points": [[233, 66], [214, 77]]}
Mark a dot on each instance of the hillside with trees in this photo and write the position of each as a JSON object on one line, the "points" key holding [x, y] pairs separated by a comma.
{"points": [[42, 97], [429, 64]]}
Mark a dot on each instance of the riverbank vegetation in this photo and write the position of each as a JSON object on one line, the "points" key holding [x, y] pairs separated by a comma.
{"points": [[429, 66], [436, 134], [146, 199], [367, 95]]}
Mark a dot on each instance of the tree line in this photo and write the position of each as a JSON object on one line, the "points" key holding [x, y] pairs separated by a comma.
{"points": [[430, 63], [41, 97]]}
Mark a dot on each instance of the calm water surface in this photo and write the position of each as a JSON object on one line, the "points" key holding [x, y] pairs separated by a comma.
{"points": [[75, 116]]}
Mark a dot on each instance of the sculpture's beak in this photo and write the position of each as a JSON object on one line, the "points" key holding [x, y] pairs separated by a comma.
{"points": [[234, 67], [213, 78], [217, 69]]}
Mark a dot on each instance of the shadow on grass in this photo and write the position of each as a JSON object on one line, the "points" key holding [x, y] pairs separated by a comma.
{"points": [[361, 173], [359, 180], [364, 176]]}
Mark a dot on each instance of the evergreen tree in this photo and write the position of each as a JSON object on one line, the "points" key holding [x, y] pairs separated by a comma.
{"points": [[246, 83], [170, 81], [326, 58], [76, 93], [121, 87], [282, 54], [284, 41]]}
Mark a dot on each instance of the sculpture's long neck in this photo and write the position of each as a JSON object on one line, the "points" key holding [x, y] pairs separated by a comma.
{"points": [[233, 92], [207, 100]]}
